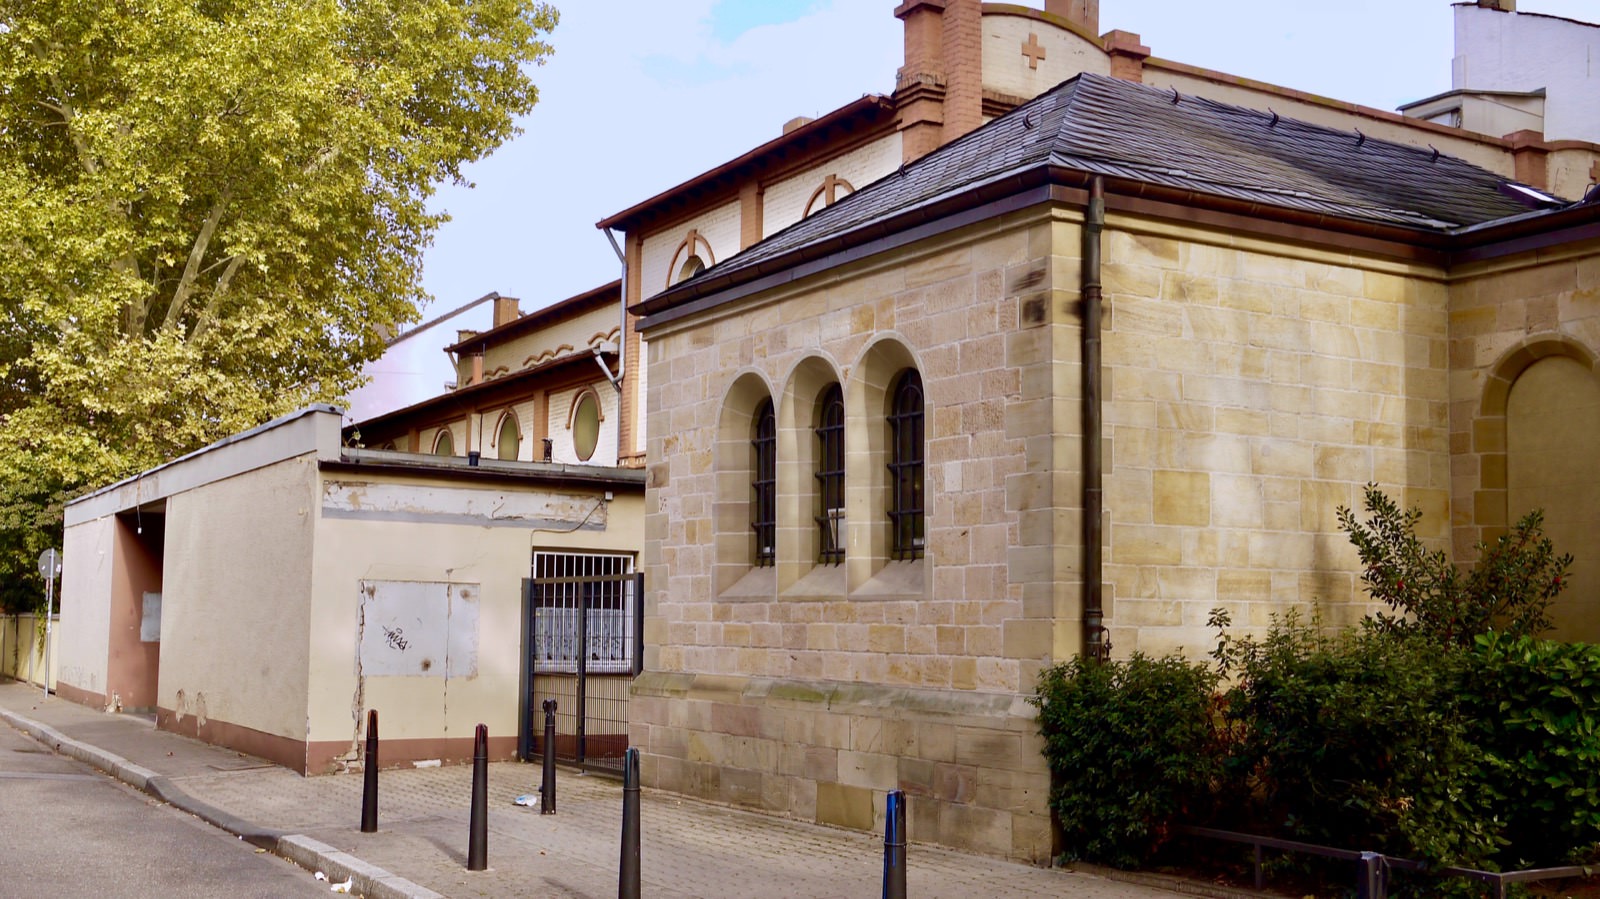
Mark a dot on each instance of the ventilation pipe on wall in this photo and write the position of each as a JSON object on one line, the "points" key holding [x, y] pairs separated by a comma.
{"points": [[622, 331], [1095, 645]]}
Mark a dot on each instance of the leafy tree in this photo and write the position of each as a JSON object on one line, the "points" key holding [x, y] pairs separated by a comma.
{"points": [[209, 212], [1509, 590]]}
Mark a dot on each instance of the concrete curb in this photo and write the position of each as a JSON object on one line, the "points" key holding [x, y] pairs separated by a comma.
{"points": [[367, 879]]}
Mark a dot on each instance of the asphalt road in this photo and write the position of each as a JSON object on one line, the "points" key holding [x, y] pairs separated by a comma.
{"points": [[69, 831]]}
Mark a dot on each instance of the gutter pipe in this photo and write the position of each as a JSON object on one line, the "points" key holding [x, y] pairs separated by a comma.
{"points": [[1095, 645], [622, 330]]}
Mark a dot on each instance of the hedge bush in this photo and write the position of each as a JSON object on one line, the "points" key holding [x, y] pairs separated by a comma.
{"points": [[1358, 740], [1132, 748], [1535, 708]]}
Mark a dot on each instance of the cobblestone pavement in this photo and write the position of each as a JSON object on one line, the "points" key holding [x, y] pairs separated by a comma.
{"points": [[690, 848]]}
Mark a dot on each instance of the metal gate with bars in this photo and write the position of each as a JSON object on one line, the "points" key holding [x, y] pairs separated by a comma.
{"points": [[583, 638]]}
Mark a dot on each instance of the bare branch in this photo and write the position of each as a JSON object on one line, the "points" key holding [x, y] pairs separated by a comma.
{"points": [[197, 253], [214, 303], [85, 158]]}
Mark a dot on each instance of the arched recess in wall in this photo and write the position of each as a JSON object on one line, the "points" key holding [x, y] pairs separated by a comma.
{"points": [[583, 423], [508, 437], [742, 558], [443, 443], [870, 398], [1541, 408], [692, 257], [799, 536], [831, 190]]}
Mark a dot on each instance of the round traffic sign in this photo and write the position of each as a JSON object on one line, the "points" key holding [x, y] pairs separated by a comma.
{"points": [[50, 563]]}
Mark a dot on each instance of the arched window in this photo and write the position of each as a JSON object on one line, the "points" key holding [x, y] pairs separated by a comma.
{"points": [[764, 483], [585, 425], [830, 475], [509, 441], [692, 266], [905, 467], [444, 444]]}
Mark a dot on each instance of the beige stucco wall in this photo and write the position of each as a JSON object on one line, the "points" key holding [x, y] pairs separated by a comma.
{"points": [[1066, 53], [447, 535], [784, 201], [1571, 171], [718, 226], [236, 599], [86, 619], [562, 338]]}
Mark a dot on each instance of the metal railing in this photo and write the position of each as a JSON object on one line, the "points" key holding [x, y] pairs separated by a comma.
{"points": [[1372, 880]]}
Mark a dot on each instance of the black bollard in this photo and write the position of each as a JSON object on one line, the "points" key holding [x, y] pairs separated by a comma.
{"points": [[894, 846], [628, 882], [478, 836], [547, 789], [369, 774]]}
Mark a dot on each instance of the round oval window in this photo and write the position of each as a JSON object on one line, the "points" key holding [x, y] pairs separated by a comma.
{"points": [[586, 426]]}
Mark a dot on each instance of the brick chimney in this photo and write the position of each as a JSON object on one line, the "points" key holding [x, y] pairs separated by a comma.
{"points": [[1080, 12], [939, 89], [506, 309]]}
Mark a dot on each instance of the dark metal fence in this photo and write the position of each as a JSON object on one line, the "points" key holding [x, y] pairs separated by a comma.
{"points": [[583, 626], [1372, 868]]}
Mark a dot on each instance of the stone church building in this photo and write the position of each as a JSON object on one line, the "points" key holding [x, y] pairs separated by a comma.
{"points": [[1061, 376]]}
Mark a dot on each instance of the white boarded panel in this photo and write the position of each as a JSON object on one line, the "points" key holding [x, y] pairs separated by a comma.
{"points": [[418, 629]]}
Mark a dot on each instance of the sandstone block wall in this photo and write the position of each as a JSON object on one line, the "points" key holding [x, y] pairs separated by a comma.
{"points": [[1252, 389]]}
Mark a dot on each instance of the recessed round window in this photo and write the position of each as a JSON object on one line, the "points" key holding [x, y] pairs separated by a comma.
{"points": [[586, 426], [445, 446], [510, 439]]}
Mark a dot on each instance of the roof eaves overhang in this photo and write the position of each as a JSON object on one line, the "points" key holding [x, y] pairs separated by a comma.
{"points": [[487, 470], [1529, 232], [1024, 188], [852, 115], [454, 399], [597, 297]]}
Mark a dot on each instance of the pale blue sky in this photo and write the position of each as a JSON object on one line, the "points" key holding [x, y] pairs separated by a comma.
{"points": [[643, 94]]}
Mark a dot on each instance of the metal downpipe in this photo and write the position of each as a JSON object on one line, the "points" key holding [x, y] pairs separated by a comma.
{"points": [[622, 330], [1095, 645]]}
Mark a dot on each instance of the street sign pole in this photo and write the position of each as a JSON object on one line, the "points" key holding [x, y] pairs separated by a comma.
{"points": [[50, 567]]}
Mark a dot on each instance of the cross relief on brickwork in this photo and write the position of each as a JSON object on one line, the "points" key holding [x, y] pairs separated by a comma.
{"points": [[1032, 50]]}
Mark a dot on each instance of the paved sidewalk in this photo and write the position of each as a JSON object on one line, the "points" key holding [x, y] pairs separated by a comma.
{"points": [[690, 848]]}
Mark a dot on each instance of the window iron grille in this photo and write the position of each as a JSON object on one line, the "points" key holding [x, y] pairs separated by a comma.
{"points": [[830, 476], [582, 599], [764, 486], [906, 468]]}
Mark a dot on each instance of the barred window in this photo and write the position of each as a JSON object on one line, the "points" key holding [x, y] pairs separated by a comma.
{"points": [[582, 599], [764, 484], [905, 467], [830, 475]]}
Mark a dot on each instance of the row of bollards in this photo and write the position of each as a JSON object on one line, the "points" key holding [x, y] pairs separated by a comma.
{"points": [[628, 881]]}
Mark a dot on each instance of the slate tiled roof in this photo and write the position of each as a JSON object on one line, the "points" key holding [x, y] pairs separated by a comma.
{"points": [[1123, 130]]}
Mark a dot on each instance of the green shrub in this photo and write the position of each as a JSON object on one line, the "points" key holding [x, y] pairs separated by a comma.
{"points": [[1356, 740], [1536, 705], [1132, 750], [1510, 588]]}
